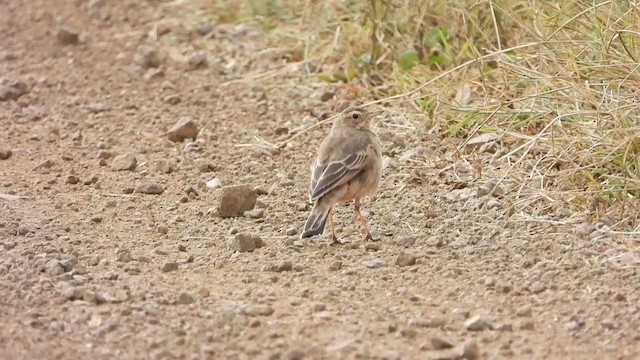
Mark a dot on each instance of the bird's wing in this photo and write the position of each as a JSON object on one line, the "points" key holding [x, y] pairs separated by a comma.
{"points": [[326, 177]]}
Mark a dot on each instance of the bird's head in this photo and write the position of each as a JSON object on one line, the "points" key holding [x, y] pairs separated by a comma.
{"points": [[357, 118]]}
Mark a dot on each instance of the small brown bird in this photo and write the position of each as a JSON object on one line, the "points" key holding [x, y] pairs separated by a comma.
{"points": [[348, 167]]}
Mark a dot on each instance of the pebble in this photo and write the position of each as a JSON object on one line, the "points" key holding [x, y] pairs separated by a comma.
{"points": [[584, 229], [281, 266], [292, 231], [124, 162], [68, 291], [372, 247], [374, 264], [151, 189], [173, 99], [203, 29], [54, 268], [13, 91], [254, 213], [527, 325], [169, 267], [406, 259], [165, 166], [234, 200], [246, 242], [185, 128], [489, 282], [335, 266], [185, 299], [148, 57], [478, 323], [258, 310], [67, 36], [430, 322], [197, 61], [213, 184], [5, 154], [406, 240], [72, 179], [537, 287], [93, 298], [441, 342], [97, 108]]}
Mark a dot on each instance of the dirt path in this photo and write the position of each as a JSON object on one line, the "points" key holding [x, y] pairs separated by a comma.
{"points": [[93, 267]]}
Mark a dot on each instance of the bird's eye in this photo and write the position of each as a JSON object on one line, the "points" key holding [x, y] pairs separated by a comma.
{"points": [[355, 116]]}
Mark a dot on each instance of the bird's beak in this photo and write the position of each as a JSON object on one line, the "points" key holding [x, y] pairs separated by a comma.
{"points": [[375, 113]]}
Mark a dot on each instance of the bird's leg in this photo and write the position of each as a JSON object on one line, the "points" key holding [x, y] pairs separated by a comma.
{"points": [[362, 221], [334, 238]]}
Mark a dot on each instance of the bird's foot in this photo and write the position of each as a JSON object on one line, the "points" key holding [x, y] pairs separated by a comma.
{"points": [[335, 241], [368, 237]]}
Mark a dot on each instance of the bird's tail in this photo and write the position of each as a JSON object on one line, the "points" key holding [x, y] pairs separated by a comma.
{"points": [[316, 221]]}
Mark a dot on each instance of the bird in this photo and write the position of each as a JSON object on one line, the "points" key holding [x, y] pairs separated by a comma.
{"points": [[348, 167]]}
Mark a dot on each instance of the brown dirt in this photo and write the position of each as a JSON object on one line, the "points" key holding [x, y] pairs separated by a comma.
{"points": [[81, 264]]}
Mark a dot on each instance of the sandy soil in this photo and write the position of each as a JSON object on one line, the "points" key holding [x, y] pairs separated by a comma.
{"points": [[135, 264]]}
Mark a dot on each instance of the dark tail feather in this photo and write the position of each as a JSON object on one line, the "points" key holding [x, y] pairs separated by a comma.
{"points": [[316, 222]]}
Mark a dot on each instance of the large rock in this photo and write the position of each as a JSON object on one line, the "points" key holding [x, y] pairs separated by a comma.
{"points": [[235, 200]]}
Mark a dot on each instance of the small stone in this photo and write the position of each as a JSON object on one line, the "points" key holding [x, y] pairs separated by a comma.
{"points": [[406, 259], [54, 268], [124, 162], [151, 189], [165, 166], [72, 180], [489, 282], [295, 355], [406, 240], [430, 322], [584, 229], [148, 57], [70, 292], [281, 130], [478, 323], [234, 200], [374, 264], [326, 96], [254, 213], [281, 266], [619, 297], [213, 184], [5, 154], [258, 310], [246, 242], [185, 299], [470, 350], [185, 128], [292, 231], [128, 190], [13, 91], [152, 74], [169, 267], [8, 245], [203, 29], [319, 307], [441, 342], [162, 229], [96, 219], [197, 61], [524, 312], [77, 136], [571, 326], [527, 325], [372, 246], [67, 36], [93, 298], [335, 266], [97, 108], [537, 287]]}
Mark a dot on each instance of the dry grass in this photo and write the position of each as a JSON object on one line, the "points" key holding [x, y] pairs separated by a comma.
{"points": [[558, 81]]}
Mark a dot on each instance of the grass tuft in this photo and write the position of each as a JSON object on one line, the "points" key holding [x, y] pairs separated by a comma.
{"points": [[557, 80]]}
